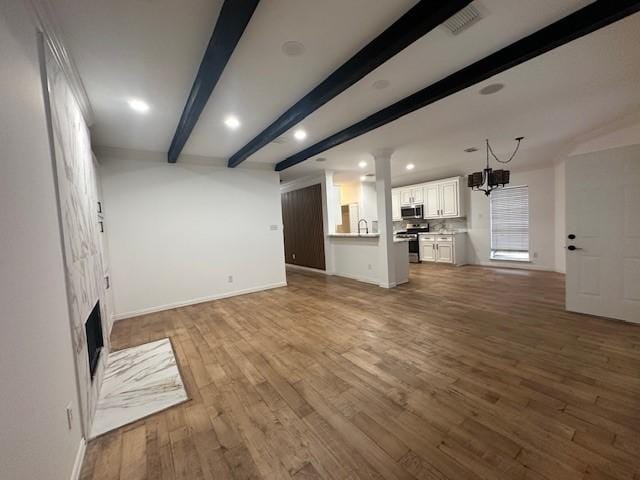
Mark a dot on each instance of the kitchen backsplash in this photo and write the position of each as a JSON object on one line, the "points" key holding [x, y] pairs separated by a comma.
{"points": [[449, 224]]}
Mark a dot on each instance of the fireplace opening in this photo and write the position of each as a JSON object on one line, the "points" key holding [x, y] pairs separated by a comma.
{"points": [[95, 342]]}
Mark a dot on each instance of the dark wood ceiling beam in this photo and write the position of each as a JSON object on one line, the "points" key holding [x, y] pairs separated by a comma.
{"points": [[233, 19], [582, 22], [414, 24]]}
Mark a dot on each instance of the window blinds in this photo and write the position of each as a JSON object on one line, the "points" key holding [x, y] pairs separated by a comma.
{"points": [[510, 219]]}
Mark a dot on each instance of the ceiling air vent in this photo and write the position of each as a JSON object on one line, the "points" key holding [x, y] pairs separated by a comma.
{"points": [[463, 19]]}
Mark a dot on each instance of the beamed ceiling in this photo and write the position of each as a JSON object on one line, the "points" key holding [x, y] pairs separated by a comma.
{"points": [[153, 49]]}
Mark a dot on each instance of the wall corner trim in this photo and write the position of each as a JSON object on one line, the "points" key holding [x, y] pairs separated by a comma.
{"points": [[44, 18], [77, 464]]}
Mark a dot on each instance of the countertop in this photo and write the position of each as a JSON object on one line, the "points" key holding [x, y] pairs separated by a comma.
{"points": [[444, 232], [355, 235], [365, 235]]}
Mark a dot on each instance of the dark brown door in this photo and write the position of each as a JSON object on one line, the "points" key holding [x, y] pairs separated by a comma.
{"points": [[303, 233]]}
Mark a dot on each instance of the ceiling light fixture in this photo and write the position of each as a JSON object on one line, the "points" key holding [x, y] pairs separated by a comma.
{"points": [[232, 122], [138, 105], [491, 89], [489, 179], [362, 164], [300, 134], [410, 166]]}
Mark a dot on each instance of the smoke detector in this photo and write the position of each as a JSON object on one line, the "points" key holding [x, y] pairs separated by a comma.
{"points": [[462, 20], [292, 48]]}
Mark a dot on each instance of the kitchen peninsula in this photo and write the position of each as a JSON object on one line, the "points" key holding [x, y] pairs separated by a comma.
{"points": [[357, 256]]}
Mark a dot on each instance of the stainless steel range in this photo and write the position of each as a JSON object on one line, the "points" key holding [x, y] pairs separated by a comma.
{"points": [[411, 233]]}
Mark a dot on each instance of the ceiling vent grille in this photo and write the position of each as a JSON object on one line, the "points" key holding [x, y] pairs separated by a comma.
{"points": [[463, 19]]}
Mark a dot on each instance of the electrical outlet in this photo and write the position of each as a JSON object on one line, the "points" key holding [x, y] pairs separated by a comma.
{"points": [[273, 227], [369, 266], [230, 278], [535, 254], [69, 416]]}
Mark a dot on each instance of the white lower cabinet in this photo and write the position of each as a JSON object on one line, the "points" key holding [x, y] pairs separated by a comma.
{"points": [[427, 250], [439, 248]]}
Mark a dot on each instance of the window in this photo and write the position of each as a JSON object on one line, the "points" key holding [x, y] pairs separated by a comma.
{"points": [[510, 224]]}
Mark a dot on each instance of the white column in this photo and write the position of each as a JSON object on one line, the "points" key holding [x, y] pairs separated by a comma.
{"points": [[386, 257]]}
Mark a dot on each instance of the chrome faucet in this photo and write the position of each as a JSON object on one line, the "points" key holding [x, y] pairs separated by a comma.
{"points": [[366, 226]]}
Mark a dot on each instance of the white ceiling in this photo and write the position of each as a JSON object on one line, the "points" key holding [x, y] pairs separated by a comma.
{"points": [[151, 49]]}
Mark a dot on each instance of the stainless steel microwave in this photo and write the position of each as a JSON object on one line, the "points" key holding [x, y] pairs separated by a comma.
{"points": [[414, 211]]}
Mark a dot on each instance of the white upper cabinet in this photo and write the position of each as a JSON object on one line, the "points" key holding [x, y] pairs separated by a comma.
{"points": [[411, 195], [444, 199], [396, 209], [441, 198], [449, 198], [431, 200]]}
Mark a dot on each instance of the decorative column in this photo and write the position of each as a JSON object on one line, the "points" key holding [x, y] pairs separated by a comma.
{"points": [[386, 258]]}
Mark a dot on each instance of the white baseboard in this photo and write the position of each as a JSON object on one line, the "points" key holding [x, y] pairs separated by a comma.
{"points": [[514, 265], [306, 269], [372, 281], [77, 464], [194, 301]]}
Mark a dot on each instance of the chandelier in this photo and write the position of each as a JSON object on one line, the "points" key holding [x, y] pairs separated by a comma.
{"points": [[489, 179]]}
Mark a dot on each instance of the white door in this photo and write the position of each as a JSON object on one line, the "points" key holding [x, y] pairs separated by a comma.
{"points": [[405, 197], [427, 251], [396, 211], [431, 201], [444, 252], [603, 233], [449, 199]]}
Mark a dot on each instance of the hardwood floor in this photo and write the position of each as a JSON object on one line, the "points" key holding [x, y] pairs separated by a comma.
{"points": [[464, 373]]}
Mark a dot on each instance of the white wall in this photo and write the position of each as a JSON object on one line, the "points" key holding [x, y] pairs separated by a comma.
{"points": [[36, 359], [542, 208], [177, 232]]}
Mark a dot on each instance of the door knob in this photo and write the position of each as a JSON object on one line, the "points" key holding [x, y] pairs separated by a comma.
{"points": [[573, 247], [571, 236]]}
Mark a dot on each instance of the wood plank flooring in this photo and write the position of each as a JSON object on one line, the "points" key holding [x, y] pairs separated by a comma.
{"points": [[464, 373]]}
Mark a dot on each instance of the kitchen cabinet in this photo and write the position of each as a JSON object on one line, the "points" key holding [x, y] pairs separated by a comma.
{"points": [[443, 248], [396, 209], [432, 200], [427, 249], [443, 199], [411, 196]]}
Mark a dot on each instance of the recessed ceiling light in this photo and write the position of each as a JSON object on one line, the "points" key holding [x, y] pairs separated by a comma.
{"points": [[292, 48], [300, 134], [410, 166], [363, 178], [471, 149], [138, 105], [491, 89], [381, 84], [321, 159], [232, 122], [362, 164]]}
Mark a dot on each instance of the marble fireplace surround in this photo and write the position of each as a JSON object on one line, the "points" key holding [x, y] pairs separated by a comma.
{"points": [[77, 194]]}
